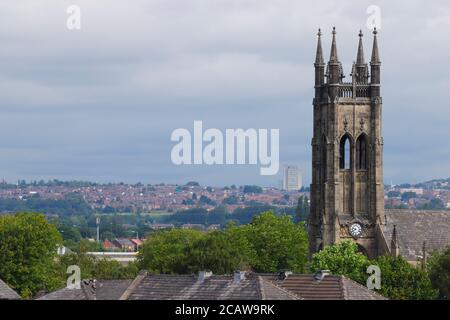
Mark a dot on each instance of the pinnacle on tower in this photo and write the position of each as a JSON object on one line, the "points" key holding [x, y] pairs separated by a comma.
{"points": [[333, 54], [360, 56], [319, 53], [375, 55]]}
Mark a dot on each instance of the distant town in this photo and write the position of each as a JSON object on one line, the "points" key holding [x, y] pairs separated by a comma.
{"points": [[141, 198], [115, 216]]}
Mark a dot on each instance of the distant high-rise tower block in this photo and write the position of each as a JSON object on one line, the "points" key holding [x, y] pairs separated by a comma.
{"points": [[347, 197], [292, 179]]}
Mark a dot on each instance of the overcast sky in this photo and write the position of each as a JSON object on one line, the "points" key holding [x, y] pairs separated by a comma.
{"points": [[100, 103]]}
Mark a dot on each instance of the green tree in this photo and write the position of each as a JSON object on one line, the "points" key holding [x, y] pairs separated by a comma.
{"points": [[69, 233], [28, 248], [82, 260], [92, 268], [434, 204], [107, 235], [252, 189], [400, 280], [408, 195], [111, 269], [246, 214], [167, 251], [439, 270], [278, 242], [221, 252], [218, 215], [342, 259]]}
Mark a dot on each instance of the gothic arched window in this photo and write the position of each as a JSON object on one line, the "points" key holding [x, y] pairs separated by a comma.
{"points": [[345, 153], [324, 157], [361, 152]]}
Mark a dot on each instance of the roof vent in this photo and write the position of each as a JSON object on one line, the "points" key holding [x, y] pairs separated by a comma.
{"points": [[284, 274], [239, 276], [203, 275], [321, 274]]}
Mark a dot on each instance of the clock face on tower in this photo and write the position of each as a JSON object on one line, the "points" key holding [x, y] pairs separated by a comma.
{"points": [[355, 230]]}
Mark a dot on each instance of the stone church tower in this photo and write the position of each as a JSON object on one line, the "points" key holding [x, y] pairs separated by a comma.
{"points": [[347, 194]]}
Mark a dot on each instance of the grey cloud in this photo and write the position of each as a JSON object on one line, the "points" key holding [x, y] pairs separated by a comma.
{"points": [[100, 103]]}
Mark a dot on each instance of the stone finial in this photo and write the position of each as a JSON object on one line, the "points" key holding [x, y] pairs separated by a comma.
{"points": [[395, 249], [333, 54], [319, 53]]}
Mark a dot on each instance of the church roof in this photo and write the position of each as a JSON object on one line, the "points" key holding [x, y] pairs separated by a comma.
{"points": [[416, 226]]}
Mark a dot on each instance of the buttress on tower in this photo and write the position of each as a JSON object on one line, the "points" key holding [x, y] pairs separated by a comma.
{"points": [[347, 193]]}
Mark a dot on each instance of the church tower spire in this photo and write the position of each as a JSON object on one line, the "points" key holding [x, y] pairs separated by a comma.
{"points": [[360, 56], [319, 65], [362, 72], [319, 53], [375, 67], [395, 249], [333, 54], [334, 66], [375, 54]]}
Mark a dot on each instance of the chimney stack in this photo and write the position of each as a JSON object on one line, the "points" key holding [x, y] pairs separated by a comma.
{"points": [[203, 275], [321, 274], [284, 274], [239, 276]]}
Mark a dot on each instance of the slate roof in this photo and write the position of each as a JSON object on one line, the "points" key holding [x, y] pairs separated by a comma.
{"points": [[416, 226], [215, 287], [252, 287], [91, 290], [355, 291], [124, 242], [306, 287], [6, 293], [329, 288]]}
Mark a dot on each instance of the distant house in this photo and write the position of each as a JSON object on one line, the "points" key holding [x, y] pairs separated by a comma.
{"points": [[213, 227], [6, 293], [137, 243], [122, 257], [160, 226], [124, 244], [193, 226], [108, 245]]}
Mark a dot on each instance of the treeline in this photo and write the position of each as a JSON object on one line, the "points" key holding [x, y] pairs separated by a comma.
{"points": [[60, 183], [269, 243], [244, 215], [71, 204]]}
